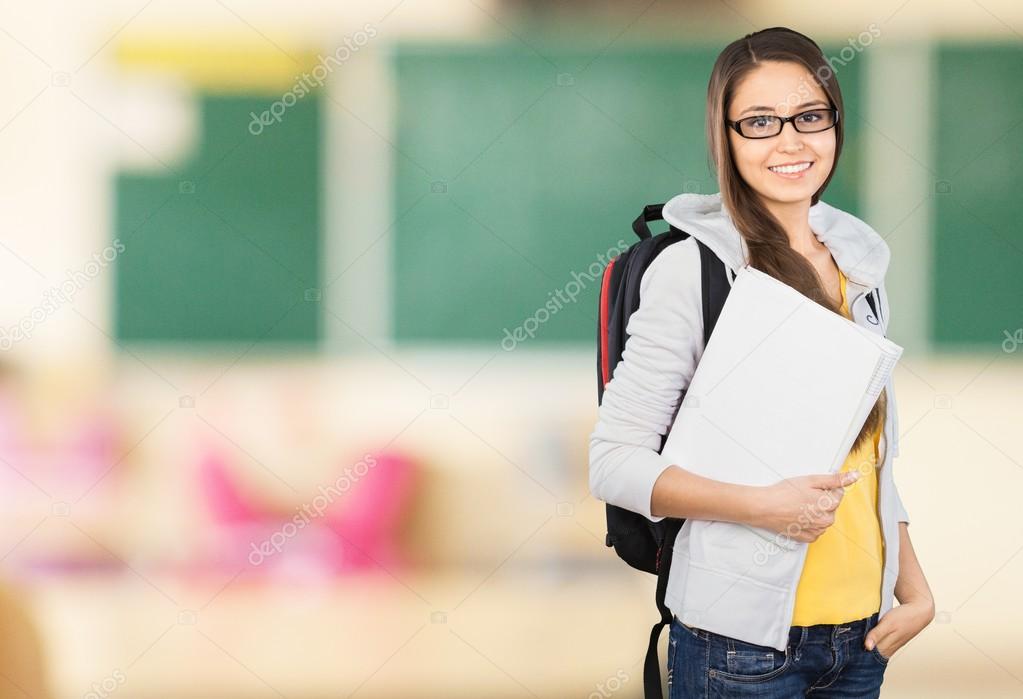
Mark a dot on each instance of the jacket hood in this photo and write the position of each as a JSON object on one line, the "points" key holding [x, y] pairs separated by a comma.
{"points": [[859, 251]]}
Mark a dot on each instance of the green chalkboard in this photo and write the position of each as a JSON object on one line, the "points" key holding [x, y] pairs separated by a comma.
{"points": [[977, 288], [517, 168], [226, 247]]}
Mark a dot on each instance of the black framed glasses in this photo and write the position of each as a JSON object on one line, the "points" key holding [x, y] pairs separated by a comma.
{"points": [[767, 125]]}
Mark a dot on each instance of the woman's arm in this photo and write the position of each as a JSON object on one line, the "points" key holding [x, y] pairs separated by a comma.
{"points": [[658, 362], [916, 603], [681, 493], [802, 507], [912, 585]]}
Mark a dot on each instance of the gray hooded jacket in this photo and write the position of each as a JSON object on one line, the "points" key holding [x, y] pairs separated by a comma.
{"points": [[724, 577]]}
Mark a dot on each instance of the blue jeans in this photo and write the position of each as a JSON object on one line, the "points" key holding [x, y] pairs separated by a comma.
{"points": [[825, 660]]}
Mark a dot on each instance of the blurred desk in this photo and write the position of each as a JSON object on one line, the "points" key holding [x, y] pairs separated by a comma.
{"points": [[513, 633]]}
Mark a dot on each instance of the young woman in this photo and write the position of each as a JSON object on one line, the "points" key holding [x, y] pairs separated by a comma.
{"points": [[774, 127]]}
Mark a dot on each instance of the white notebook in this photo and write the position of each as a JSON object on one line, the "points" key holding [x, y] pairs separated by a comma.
{"points": [[782, 389]]}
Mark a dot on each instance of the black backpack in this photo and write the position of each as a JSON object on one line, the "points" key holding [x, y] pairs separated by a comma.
{"points": [[643, 544]]}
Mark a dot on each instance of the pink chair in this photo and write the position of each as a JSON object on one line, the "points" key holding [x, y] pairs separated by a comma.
{"points": [[355, 530], [371, 515]]}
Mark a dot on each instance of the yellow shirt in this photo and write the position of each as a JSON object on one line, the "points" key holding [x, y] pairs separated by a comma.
{"points": [[841, 579]]}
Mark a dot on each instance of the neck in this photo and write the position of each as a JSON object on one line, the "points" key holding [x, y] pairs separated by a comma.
{"points": [[795, 219]]}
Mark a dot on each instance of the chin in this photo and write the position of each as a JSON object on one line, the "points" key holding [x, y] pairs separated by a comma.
{"points": [[791, 195]]}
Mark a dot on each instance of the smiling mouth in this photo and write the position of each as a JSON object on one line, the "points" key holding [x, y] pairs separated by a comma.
{"points": [[791, 172]]}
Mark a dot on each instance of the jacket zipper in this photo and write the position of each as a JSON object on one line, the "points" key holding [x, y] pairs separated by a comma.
{"points": [[887, 448]]}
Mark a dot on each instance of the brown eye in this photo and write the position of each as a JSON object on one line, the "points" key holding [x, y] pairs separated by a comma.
{"points": [[815, 120], [763, 125]]}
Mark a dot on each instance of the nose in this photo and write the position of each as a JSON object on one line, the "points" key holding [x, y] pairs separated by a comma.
{"points": [[789, 139]]}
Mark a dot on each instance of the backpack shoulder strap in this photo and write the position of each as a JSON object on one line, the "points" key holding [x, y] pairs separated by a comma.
{"points": [[715, 287]]}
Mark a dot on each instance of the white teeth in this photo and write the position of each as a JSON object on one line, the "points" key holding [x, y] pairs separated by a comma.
{"points": [[790, 169]]}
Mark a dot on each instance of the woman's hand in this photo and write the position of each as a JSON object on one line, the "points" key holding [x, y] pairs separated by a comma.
{"points": [[899, 626], [801, 508]]}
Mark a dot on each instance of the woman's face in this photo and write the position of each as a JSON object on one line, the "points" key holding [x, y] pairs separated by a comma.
{"points": [[782, 89]]}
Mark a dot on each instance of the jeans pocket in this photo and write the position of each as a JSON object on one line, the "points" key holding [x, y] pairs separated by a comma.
{"points": [[878, 657], [739, 661]]}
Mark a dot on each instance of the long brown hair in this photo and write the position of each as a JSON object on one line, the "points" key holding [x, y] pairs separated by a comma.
{"points": [[766, 240]]}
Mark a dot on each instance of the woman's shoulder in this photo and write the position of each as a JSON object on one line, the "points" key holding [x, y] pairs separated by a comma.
{"points": [[675, 267], [670, 292]]}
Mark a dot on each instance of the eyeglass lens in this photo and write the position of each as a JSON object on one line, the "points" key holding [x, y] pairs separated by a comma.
{"points": [[769, 125]]}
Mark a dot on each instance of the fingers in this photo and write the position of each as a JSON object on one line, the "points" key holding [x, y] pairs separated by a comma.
{"points": [[849, 477], [830, 499], [816, 519], [834, 493], [817, 506], [810, 534]]}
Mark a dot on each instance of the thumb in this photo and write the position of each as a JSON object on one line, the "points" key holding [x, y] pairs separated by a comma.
{"points": [[871, 638], [879, 631], [834, 481]]}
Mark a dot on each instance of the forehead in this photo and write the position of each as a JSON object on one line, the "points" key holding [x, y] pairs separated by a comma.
{"points": [[781, 86]]}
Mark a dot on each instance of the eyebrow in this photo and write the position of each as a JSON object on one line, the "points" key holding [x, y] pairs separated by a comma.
{"points": [[760, 108]]}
